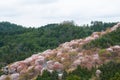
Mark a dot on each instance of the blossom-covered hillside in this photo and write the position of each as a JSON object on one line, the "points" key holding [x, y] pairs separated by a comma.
{"points": [[66, 56]]}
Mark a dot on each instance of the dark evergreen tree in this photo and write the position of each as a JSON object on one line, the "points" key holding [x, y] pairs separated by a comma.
{"points": [[109, 70]]}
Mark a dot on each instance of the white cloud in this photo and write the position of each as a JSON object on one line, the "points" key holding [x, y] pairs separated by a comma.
{"points": [[41, 12]]}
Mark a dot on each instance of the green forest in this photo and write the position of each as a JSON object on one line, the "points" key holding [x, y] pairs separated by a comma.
{"points": [[18, 42], [110, 71], [105, 41]]}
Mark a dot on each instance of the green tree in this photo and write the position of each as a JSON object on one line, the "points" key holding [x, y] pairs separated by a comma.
{"points": [[109, 70], [73, 77], [116, 76], [48, 76]]}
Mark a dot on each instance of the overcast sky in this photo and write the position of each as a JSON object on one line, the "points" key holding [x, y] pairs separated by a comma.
{"points": [[42, 12]]}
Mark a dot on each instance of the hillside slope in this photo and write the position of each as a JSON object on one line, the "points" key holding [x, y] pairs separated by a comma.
{"points": [[66, 57], [19, 42]]}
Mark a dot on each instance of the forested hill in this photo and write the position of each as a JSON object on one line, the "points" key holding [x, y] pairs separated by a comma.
{"points": [[7, 28], [95, 57], [18, 42]]}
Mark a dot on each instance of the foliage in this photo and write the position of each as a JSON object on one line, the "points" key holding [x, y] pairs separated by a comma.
{"points": [[105, 41], [100, 26], [83, 73], [116, 76], [102, 51], [78, 74], [73, 77], [18, 42], [48, 76], [109, 70], [1, 72]]}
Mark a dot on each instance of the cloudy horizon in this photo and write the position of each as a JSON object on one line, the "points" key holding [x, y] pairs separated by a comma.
{"points": [[42, 12]]}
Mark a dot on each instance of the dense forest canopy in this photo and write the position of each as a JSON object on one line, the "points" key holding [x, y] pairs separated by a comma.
{"points": [[109, 39], [18, 42]]}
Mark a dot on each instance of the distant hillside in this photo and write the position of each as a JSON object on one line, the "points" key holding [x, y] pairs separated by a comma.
{"points": [[72, 61], [7, 28], [19, 42]]}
